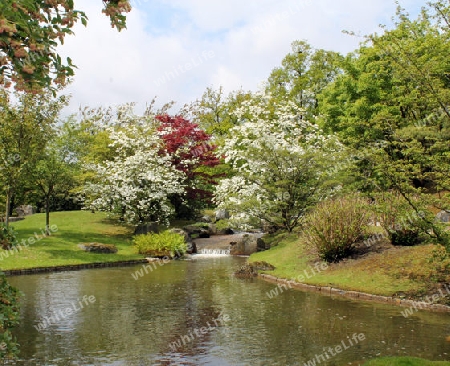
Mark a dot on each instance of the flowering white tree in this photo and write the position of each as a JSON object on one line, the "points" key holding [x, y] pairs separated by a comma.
{"points": [[279, 161], [136, 184]]}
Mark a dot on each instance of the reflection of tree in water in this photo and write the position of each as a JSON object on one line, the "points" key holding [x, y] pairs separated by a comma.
{"points": [[200, 309], [136, 321]]}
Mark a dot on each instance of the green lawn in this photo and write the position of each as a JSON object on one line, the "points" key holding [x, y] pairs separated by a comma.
{"points": [[405, 269], [61, 248], [405, 361]]}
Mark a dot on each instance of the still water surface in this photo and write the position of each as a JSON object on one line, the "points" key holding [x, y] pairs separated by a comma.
{"points": [[140, 322]]}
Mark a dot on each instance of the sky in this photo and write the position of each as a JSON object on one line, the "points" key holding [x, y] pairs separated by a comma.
{"points": [[175, 49]]}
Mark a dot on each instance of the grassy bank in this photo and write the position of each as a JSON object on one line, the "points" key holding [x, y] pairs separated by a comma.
{"points": [[405, 361], [389, 271], [61, 248]]}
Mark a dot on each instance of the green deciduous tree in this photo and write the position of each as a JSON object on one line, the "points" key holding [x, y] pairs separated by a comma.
{"points": [[303, 74], [392, 100], [52, 176], [25, 128]]}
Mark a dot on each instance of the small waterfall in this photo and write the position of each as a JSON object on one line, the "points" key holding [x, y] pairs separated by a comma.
{"points": [[215, 252]]}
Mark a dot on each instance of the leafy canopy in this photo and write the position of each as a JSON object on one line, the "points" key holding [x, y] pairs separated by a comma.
{"points": [[30, 31]]}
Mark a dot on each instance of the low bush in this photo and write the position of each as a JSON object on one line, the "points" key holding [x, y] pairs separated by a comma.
{"points": [[402, 223], [10, 313], [164, 244], [7, 237], [335, 226]]}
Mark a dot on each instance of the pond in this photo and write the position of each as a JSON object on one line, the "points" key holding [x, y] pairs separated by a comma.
{"points": [[196, 313]]}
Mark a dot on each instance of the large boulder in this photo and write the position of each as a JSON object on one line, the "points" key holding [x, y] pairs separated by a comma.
{"points": [[261, 245], [222, 215], [246, 245], [25, 210], [206, 218], [197, 231], [149, 227], [443, 216], [98, 248], [191, 246]]}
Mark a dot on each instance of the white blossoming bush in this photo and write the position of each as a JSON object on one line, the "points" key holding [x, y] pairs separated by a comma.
{"points": [[279, 162], [135, 185]]}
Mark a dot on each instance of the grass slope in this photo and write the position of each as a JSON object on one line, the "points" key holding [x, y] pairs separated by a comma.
{"points": [[61, 248], [398, 270], [405, 361]]}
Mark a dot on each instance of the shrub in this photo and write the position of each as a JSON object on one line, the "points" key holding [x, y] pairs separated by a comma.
{"points": [[9, 310], [164, 244], [335, 226], [7, 237], [398, 218]]}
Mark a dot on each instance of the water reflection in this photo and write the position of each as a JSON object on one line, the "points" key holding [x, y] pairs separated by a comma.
{"points": [[135, 322]]}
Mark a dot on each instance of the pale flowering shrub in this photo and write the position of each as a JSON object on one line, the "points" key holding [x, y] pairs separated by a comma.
{"points": [[278, 161], [137, 183]]}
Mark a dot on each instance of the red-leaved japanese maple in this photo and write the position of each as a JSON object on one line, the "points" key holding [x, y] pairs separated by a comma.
{"points": [[192, 153]]}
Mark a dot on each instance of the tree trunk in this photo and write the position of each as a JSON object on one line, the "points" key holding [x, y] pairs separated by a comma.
{"points": [[8, 206], [47, 215]]}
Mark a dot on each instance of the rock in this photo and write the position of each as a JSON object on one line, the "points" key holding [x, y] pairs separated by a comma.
{"points": [[181, 232], [206, 219], [222, 215], [226, 231], [150, 227], [443, 216], [98, 248], [246, 271], [246, 245], [261, 245], [191, 246], [204, 234], [212, 229], [25, 210], [251, 269], [15, 219], [262, 266], [197, 231]]}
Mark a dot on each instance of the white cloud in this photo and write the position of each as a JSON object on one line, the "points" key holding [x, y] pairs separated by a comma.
{"points": [[162, 51]]}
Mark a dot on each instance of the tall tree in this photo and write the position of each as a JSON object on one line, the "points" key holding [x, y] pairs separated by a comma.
{"points": [[303, 74], [393, 100], [25, 128], [214, 111], [52, 176], [278, 160]]}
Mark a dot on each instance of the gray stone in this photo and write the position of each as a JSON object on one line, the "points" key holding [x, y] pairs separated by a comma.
{"points": [[197, 231], [181, 232], [25, 210], [206, 218], [246, 245], [222, 214], [150, 227], [443, 216], [191, 246], [261, 245], [98, 248], [226, 231]]}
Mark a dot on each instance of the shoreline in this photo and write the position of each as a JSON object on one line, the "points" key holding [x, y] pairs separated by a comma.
{"points": [[72, 267], [355, 295]]}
